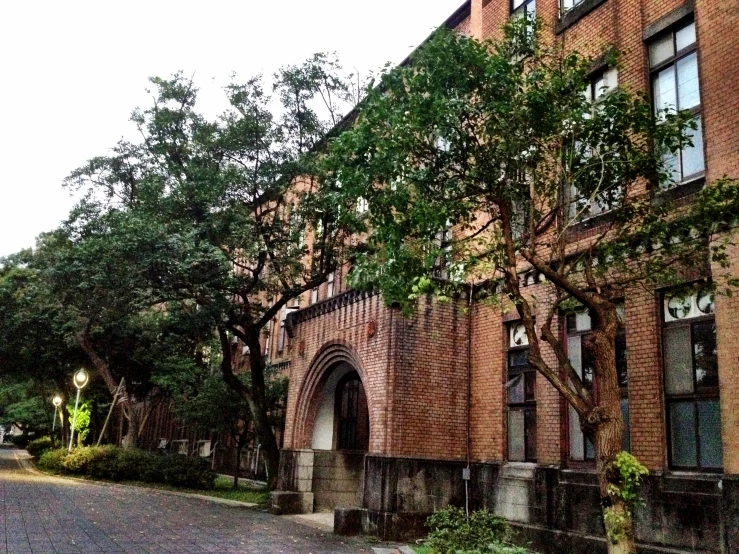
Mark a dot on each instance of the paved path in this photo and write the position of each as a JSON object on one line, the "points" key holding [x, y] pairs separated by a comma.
{"points": [[42, 514]]}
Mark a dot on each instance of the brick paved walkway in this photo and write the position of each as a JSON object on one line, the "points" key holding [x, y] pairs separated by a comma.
{"points": [[41, 514]]}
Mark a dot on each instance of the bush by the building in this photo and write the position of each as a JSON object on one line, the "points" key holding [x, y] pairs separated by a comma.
{"points": [[118, 464], [451, 532]]}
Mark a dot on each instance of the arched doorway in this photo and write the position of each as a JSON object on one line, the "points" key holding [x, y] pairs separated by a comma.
{"points": [[352, 425], [340, 438]]}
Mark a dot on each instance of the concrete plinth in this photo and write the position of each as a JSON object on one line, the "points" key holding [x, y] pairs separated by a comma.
{"points": [[291, 502]]}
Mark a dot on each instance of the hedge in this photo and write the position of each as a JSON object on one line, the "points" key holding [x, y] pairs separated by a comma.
{"points": [[130, 464]]}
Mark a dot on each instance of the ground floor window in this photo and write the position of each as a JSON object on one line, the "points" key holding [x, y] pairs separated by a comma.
{"points": [[579, 328], [691, 380], [521, 389]]}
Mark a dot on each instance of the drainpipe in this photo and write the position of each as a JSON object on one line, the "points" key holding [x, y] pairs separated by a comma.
{"points": [[466, 473]]}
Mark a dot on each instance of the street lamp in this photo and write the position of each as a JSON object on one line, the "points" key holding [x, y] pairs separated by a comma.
{"points": [[57, 401], [80, 380]]}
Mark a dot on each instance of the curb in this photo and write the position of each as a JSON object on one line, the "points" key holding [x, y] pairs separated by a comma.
{"points": [[25, 464]]}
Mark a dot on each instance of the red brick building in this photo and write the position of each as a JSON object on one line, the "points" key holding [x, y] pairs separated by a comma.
{"points": [[385, 412]]}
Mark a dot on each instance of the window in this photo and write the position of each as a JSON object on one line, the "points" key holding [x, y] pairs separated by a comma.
{"points": [[583, 206], [443, 241], [267, 337], [579, 327], [362, 205], [673, 62], [567, 5], [283, 332], [521, 388], [353, 415], [314, 295], [330, 286], [691, 381], [523, 8]]}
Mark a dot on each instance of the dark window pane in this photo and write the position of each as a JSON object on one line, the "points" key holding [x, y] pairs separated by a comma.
{"points": [[571, 323], [704, 352], [518, 358], [530, 386], [709, 434], [587, 367], [682, 434], [626, 441], [678, 360], [516, 436], [530, 423]]}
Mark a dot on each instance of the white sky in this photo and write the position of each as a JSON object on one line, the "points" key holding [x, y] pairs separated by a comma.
{"points": [[71, 71]]}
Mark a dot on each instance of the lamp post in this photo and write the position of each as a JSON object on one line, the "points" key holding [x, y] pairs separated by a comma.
{"points": [[80, 380], [57, 401]]}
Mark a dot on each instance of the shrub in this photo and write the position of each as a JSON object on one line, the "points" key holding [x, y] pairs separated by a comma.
{"points": [[79, 459], [131, 464], [451, 532], [51, 460], [39, 446], [182, 471]]}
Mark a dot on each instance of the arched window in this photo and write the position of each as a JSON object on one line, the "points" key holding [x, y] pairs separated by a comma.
{"points": [[352, 414]]}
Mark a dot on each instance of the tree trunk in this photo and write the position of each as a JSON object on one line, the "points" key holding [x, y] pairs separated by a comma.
{"points": [[256, 398], [617, 515], [605, 425], [131, 436]]}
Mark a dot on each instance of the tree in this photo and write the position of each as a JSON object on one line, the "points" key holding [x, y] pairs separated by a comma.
{"points": [[211, 406], [34, 340], [498, 141], [66, 305], [220, 215], [22, 405]]}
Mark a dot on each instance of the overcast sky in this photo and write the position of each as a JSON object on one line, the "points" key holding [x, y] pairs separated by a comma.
{"points": [[71, 71]]}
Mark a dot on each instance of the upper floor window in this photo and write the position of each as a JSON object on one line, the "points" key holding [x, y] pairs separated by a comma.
{"points": [[330, 285], [582, 205], [523, 8], [567, 5], [362, 205], [691, 380], [314, 295], [673, 63], [281, 338], [521, 389]]}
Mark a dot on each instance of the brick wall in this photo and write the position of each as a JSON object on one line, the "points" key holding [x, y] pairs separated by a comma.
{"points": [[727, 338]]}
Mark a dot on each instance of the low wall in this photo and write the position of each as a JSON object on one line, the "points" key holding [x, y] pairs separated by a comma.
{"points": [[552, 510]]}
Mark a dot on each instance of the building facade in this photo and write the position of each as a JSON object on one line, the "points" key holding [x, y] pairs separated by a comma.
{"points": [[390, 417]]}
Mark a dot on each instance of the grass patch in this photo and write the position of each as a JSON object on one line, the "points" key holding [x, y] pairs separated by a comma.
{"points": [[422, 550], [223, 489]]}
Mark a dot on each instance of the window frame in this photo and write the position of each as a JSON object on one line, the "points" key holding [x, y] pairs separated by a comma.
{"points": [[700, 393], [594, 96], [696, 110], [526, 405], [563, 10]]}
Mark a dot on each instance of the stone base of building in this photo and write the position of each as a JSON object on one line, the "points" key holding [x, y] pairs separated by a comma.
{"points": [[291, 502], [551, 509]]}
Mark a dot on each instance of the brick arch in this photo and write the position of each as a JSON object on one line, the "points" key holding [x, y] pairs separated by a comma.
{"points": [[329, 356]]}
